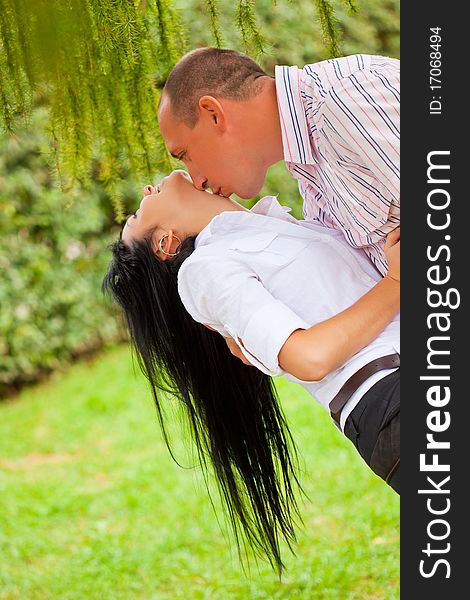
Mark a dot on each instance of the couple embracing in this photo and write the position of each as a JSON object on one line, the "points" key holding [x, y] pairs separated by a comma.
{"points": [[220, 299]]}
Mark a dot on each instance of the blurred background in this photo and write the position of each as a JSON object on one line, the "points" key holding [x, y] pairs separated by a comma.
{"points": [[90, 502]]}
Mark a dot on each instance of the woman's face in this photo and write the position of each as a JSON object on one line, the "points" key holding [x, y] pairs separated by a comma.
{"points": [[174, 204]]}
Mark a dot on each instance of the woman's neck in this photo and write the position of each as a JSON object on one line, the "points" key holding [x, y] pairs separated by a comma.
{"points": [[214, 207]]}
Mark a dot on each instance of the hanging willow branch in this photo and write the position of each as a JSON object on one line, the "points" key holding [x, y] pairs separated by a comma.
{"points": [[213, 8], [100, 65], [329, 24], [253, 40], [96, 61]]}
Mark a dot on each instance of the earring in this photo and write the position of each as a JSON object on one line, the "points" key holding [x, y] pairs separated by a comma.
{"points": [[160, 245]]}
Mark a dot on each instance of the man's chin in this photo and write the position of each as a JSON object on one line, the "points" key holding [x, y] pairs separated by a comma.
{"points": [[249, 193]]}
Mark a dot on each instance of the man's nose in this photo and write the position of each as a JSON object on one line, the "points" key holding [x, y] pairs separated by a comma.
{"points": [[200, 182]]}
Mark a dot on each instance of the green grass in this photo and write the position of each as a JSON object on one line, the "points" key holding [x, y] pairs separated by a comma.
{"points": [[93, 507]]}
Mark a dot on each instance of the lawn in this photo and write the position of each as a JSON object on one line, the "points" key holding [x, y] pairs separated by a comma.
{"points": [[93, 507]]}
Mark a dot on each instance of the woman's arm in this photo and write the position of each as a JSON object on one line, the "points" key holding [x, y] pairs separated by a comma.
{"points": [[310, 354], [267, 334]]}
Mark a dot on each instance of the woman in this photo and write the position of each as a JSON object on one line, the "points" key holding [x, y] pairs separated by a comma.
{"points": [[296, 300]]}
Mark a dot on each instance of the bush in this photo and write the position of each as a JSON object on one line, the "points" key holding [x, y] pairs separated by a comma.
{"points": [[52, 259]]}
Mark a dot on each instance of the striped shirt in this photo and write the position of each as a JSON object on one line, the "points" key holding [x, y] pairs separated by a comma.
{"points": [[340, 122]]}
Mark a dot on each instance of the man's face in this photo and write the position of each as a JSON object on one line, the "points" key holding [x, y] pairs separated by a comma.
{"points": [[219, 158]]}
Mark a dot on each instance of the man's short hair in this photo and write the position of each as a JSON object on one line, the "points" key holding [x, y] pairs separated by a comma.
{"points": [[212, 72]]}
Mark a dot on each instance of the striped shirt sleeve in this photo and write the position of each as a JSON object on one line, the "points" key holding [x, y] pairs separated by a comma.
{"points": [[358, 123]]}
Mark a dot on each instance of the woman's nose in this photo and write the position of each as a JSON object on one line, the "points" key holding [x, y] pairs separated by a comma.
{"points": [[149, 189]]}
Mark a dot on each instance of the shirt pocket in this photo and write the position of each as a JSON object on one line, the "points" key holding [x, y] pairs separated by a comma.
{"points": [[277, 250]]}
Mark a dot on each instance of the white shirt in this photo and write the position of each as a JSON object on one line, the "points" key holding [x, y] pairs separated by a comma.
{"points": [[258, 276], [340, 122]]}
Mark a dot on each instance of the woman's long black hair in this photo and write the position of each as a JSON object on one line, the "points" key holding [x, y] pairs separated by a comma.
{"points": [[232, 408]]}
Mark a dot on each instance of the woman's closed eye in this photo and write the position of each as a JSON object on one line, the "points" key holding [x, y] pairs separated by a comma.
{"points": [[129, 217]]}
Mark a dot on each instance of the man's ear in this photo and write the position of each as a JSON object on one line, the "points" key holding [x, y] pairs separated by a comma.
{"points": [[212, 109]]}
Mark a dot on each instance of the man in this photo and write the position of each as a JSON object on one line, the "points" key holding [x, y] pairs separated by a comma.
{"points": [[335, 123]]}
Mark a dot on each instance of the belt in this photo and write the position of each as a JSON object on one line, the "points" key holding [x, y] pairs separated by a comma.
{"points": [[391, 361]]}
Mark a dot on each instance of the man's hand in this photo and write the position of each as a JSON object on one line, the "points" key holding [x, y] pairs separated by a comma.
{"points": [[236, 351], [233, 347]]}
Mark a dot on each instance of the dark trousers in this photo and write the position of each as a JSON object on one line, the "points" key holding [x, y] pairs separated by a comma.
{"points": [[374, 428]]}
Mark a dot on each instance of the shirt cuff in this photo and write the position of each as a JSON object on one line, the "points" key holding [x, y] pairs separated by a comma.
{"points": [[264, 335]]}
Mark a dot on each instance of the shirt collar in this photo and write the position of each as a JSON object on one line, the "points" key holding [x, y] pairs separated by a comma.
{"points": [[270, 207], [295, 133], [267, 206]]}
